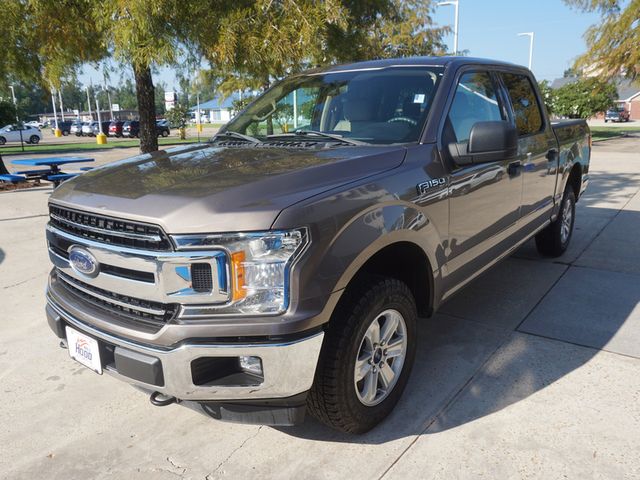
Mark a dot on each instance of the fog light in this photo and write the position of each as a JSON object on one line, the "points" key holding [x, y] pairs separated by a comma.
{"points": [[251, 365]]}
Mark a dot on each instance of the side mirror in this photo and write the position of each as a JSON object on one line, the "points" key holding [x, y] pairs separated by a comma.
{"points": [[488, 142]]}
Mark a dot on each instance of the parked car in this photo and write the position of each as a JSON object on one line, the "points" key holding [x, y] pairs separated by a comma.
{"points": [[87, 128], [115, 128], [13, 133], [95, 128], [131, 129], [274, 270], [65, 127], [616, 115], [76, 128], [162, 128], [35, 124]]}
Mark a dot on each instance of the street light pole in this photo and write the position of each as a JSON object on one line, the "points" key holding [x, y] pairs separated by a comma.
{"points": [[455, 23], [89, 103], [15, 104], [530, 35], [61, 106]]}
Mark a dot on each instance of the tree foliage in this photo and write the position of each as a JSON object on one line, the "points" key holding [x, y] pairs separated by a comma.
{"points": [[7, 113], [583, 98], [614, 43], [547, 95], [265, 40]]}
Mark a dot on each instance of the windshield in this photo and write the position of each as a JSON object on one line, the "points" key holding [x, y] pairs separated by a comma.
{"points": [[381, 106]]}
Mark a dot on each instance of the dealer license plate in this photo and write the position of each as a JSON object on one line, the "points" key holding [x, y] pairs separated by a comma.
{"points": [[84, 349]]}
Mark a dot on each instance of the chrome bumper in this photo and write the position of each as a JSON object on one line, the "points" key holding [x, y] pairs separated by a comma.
{"points": [[288, 367]]}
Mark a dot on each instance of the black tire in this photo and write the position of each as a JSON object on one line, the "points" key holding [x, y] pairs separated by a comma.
{"points": [[3, 140], [34, 139], [333, 398], [165, 133], [551, 241], [65, 133]]}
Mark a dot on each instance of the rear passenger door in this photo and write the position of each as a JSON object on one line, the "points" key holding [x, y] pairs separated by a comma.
{"points": [[484, 199], [537, 148]]}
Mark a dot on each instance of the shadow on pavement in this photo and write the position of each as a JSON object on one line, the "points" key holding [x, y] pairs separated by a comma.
{"points": [[582, 306], [2, 255]]}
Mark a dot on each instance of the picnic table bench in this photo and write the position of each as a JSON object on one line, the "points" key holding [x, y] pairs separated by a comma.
{"points": [[52, 173]]}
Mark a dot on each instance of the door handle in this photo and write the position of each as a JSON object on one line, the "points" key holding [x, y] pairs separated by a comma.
{"points": [[514, 168]]}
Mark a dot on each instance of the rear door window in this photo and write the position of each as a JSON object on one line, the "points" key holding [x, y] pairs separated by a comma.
{"points": [[528, 116]]}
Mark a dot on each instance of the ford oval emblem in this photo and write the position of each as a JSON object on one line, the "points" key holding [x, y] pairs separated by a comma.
{"points": [[83, 262]]}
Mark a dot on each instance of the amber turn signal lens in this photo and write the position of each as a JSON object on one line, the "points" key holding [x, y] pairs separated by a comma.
{"points": [[237, 267]]}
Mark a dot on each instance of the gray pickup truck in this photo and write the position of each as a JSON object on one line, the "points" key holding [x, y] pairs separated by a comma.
{"points": [[282, 266]]}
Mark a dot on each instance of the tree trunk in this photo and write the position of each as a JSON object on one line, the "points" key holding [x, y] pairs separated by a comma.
{"points": [[146, 108], [3, 168]]}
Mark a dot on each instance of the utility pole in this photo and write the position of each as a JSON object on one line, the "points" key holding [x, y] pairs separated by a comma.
{"points": [[455, 24], [530, 35]]}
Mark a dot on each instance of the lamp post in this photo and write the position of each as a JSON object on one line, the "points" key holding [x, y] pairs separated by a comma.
{"points": [[455, 23], [89, 103], [530, 35], [15, 104], [61, 106]]}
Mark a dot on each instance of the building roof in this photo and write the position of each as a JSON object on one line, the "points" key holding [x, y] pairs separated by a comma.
{"points": [[626, 88]]}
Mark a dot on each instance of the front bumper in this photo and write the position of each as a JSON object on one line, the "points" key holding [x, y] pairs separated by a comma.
{"points": [[288, 366]]}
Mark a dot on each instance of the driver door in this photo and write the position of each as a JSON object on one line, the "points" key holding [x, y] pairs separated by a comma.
{"points": [[485, 198]]}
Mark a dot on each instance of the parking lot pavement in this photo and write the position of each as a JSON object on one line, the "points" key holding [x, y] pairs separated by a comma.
{"points": [[532, 371]]}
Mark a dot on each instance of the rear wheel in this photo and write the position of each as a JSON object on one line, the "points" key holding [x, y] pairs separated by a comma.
{"points": [[554, 239], [165, 133], [366, 357], [3, 140]]}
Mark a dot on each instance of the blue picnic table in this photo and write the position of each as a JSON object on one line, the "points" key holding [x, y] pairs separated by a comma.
{"points": [[51, 174]]}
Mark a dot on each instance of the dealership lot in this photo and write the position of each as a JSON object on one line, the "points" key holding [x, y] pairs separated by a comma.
{"points": [[533, 370]]}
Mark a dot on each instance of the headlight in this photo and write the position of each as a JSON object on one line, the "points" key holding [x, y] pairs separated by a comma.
{"points": [[257, 267]]}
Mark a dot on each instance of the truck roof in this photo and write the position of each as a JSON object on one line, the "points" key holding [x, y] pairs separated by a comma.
{"points": [[417, 61]]}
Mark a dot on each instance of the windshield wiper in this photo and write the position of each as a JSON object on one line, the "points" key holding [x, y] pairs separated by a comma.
{"points": [[332, 136], [232, 134]]}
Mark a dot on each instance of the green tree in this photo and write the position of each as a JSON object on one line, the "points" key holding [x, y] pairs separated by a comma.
{"points": [[548, 95], [178, 117], [7, 113], [583, 98], [614, 43]]}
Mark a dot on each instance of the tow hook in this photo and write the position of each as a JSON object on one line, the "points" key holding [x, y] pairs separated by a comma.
{"points": [[161, 400]]}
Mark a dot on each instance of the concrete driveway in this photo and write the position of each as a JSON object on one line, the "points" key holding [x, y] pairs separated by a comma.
{"points": [[532, 371]]}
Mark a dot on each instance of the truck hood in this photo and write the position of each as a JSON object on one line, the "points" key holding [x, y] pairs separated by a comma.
{"points": [[204, 188]]}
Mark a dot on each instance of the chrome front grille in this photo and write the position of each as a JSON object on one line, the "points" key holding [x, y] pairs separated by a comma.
{"points": [[109, 230], [139, 311]]}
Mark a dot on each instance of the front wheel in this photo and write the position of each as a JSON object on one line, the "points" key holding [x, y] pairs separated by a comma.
{"points": [[554, 239], [34, 139], [3, 140], [366, 357]]}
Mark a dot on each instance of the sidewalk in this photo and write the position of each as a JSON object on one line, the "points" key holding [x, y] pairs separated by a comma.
{"points": [[532, 371]]}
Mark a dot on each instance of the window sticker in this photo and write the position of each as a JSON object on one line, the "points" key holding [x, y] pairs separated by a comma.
{"points": [[418, 98]]}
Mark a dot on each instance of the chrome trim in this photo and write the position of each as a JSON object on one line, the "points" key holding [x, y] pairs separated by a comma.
{"points": [[114, 233], [169, 286], [289, 367], [107, 299]]}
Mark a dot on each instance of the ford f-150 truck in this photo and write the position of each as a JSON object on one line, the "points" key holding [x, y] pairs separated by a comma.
{"points": [[282, 266]]}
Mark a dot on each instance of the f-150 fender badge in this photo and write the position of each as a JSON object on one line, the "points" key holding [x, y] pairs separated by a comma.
{"points": [[425, 186]]}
